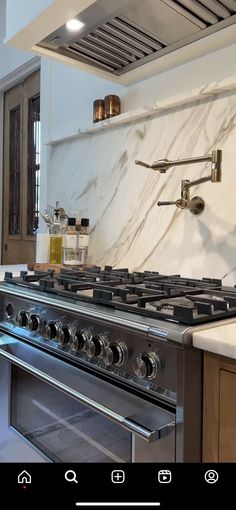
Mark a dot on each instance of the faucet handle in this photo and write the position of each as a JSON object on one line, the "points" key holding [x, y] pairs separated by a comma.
{"points": [[170, 202], [195, 205], [161, 165], [142, 163]]}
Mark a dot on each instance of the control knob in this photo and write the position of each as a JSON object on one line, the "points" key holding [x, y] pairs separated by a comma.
{"points": [[96, 345], [65, 335], [51, 330], [80, 339], [9, 310], [146, 365], [23, 318], [34, 322], [115, 354]]}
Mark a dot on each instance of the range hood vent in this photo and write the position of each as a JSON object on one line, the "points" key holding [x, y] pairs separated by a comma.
{"points": [[116, 44], [138, 31]]}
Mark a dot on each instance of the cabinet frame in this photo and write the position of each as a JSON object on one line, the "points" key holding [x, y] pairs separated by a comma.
{"points": [[213, 365]]}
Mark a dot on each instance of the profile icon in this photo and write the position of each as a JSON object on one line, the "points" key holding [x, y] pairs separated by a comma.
{"points": [[211, 476]]}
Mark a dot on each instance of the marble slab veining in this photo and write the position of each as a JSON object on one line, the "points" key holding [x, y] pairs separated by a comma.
{"points": [[209, 90], [97, 176]]}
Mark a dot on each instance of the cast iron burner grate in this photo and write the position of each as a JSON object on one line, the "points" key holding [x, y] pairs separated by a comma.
{"points": [[167, 297]]}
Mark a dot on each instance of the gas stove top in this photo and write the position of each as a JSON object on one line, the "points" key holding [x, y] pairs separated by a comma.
{"points": [[149, 294], [120, 332], [133, 328]]}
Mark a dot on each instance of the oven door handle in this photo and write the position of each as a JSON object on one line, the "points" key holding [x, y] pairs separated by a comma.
{"points": [[149, 421]]}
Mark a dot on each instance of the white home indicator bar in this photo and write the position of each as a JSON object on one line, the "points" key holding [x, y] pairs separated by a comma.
{"points": [[153, 505]]}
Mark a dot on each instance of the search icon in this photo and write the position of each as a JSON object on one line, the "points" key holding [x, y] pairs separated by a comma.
{"points": [[70, 476]]}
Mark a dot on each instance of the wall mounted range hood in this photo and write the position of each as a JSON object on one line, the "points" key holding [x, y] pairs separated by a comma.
{"points": [[120, 36]]}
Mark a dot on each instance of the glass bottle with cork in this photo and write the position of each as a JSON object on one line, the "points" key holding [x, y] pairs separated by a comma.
{"points": [[75, 214], [83, 240], [70, 244]]}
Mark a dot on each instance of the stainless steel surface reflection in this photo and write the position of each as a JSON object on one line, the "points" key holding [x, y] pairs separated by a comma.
{"points": [[71, 416]]}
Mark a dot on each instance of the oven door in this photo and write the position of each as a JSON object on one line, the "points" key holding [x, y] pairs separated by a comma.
{"points": [[54, 411]]}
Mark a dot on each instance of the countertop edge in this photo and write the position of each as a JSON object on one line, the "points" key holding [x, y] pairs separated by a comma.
{"points": [[220, 340]]}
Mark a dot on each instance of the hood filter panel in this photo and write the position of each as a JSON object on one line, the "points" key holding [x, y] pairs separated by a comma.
{"points": [[133, 37], [115, 45]]}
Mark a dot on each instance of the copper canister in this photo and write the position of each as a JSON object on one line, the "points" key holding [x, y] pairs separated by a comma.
{"points": [[98, 110], [112, 106]]}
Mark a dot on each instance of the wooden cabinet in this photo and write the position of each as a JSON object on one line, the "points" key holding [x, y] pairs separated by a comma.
{"points": [[21, 171], [219, 411]]}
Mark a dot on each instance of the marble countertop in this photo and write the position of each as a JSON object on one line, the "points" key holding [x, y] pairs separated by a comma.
{"points": [[219, 340]]}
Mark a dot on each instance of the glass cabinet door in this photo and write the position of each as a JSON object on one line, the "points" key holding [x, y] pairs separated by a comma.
{"points": [[21, 171], [14, 184]]}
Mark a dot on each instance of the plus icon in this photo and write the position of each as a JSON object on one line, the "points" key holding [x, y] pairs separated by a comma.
{"points": [[118, 476]]}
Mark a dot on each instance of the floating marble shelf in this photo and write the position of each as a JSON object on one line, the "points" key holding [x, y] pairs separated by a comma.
{"points": [[170, 103], [123, 118]]}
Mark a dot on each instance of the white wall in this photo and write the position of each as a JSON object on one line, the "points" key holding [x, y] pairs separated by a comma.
{"points": [[22, 12], [67, 96], [73, 91], [97, 176], [10, 58], [72, 96], [210, 68]]}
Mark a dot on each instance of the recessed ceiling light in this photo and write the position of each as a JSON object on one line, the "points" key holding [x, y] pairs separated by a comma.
{"points": [[74, 24]]}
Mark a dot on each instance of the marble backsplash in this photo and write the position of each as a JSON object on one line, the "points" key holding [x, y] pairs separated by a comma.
{"points": [[97, 176]]}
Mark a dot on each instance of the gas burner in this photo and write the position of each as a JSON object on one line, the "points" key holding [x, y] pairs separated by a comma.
{"points": [[148, 293]]}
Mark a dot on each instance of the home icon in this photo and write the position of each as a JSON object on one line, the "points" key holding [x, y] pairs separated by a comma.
{"points": [[24, 477]]}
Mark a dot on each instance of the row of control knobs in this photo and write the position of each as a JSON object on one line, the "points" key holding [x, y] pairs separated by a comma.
{"points": [[95, 346], [146, 365]]}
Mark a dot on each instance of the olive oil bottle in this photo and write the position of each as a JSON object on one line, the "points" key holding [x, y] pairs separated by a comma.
{"points": [[56, 238], [55, 248]]}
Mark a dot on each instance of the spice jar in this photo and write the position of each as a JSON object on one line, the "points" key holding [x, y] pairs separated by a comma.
{"points": [[112, 106], [98, 110]]}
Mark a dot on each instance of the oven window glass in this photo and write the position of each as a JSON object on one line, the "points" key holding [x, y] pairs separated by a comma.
{"points": [[62, 428]]}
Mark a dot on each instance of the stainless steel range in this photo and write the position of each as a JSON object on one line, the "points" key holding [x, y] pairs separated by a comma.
{"points": [[97, 365]]}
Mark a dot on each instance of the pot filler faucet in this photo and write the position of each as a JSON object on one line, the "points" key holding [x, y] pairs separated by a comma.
{"points": [[195, 204]]}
